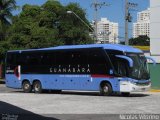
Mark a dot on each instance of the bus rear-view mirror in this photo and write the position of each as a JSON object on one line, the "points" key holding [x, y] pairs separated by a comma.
{"points": [[130, 61], [153, 60]]}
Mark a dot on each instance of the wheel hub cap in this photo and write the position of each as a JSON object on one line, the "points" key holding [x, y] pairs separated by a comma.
{"points": [[36, 87], [26, 86], [105, 89]]}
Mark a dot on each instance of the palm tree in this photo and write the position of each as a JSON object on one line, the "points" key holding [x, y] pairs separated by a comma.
{"points": [[6, 7]]}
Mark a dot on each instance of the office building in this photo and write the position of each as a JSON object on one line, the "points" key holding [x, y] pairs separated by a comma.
{"points": [[107, 32], [142, 26]]}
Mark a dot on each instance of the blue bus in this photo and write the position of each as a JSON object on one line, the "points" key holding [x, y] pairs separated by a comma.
{"points": [[106, 68]]}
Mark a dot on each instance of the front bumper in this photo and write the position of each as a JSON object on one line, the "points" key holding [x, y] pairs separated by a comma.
{"points": [[126, 86]]}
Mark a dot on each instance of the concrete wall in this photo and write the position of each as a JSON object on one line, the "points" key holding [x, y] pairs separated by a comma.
{"points": [[155, 76], [155, 42], [155, 27]]}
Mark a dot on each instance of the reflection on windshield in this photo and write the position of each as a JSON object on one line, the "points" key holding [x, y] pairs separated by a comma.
{"points": [[121, 66], [139, 69]]}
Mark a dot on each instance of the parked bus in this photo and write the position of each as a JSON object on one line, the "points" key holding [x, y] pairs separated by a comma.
{"points": [[106, 68]]}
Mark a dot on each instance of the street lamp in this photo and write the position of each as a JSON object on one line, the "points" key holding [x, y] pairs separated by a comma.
{"points": [[71, 12]]}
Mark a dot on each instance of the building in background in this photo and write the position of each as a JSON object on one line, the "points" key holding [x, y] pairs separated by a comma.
{"points": [[107, 32], [142, 26]]}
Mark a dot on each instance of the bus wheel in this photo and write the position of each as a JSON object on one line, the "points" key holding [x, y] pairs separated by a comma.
{"points": [[37, 87], [26, 86], [125, 94], [105, 89]]}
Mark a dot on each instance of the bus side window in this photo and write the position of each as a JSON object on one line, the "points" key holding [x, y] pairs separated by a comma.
{"points": [[79, 57], [72, 59], [98, 62], [30, 59], [10, 59], [62, 58], [16, 59], [47, 58], [21, 59]]}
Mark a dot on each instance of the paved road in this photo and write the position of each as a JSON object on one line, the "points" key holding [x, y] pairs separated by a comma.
{"points": [[77, 103], [4, 89]]}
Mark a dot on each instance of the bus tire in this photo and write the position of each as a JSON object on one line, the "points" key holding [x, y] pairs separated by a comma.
{"points": [[26, 86], [105, 89], [37, 87], [125, 94]]}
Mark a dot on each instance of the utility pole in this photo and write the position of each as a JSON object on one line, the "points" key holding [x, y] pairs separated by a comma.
{"points": [[128, 18], [126, 22], [96, 5]]}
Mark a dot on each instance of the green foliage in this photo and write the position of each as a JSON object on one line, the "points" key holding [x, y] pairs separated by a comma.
{"points": [[72, 29], [142, 40], [53, 7], [46, 26]]}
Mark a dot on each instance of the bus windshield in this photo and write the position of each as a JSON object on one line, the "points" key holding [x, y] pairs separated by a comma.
{"points": [[140, 69], [121, 66]]}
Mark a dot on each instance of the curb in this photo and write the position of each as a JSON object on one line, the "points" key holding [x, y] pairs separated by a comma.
{"points": [[153, 90]]}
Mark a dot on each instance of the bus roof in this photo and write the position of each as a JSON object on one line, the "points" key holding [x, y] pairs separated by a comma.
{"points": [[118, 47]]}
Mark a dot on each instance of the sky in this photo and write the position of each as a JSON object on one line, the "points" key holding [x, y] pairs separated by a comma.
{"points": [[114, 12]]}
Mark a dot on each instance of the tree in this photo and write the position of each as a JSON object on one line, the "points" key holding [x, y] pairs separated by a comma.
{"points": [[6, 7], [142, 40], [72, 29], [48, 25], [33, 28]]}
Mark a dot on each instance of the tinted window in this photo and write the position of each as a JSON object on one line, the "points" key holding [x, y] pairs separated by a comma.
{"points": [[31, 58], [12, 58], [63, 58], [79, 57], [99, 62], [71, 57], [96, 57], [47, 58]]}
